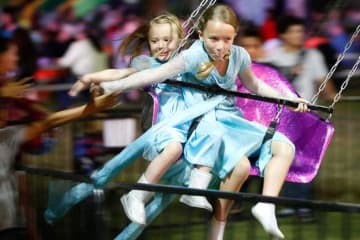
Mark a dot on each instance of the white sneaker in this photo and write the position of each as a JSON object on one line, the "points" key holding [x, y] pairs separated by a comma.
{"points": [[134, 209], [196, 201]]}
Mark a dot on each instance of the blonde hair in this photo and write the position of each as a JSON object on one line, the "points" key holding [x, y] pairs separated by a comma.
{"points": [[141, 35], [221, 13]]}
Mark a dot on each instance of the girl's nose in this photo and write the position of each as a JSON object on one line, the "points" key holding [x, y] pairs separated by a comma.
{"points": [[162, 45], [220, 46]]}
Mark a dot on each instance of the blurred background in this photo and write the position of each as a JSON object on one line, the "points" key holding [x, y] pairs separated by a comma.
{"points": [[45, 31]]}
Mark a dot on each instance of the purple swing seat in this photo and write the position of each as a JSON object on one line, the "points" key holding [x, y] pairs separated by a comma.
{"points": [[310, 134]]}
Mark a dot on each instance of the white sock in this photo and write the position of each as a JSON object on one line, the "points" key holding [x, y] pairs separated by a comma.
{"points": [[216, 230], [265, 214], [143, 196], [199, 179]]}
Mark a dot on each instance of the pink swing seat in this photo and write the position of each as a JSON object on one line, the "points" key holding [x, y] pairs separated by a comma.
{"points": [[310, 134]]}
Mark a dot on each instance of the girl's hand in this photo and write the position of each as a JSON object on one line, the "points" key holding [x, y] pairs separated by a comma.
{"points": [[80, 85], [302, 106], [101, 103], [96, 90], [106, 101], [15, 89]]}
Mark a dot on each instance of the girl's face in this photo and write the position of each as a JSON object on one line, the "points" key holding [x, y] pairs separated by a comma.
{"points": [[218, 38], [9, 60], [163, 40]]}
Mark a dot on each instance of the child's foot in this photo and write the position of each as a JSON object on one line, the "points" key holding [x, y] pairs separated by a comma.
{"points": [[134, 209], [196, 201], [265, 214]]}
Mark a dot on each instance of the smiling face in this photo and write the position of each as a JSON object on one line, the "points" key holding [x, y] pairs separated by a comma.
{"points": [[163, 40], [218, 38]]}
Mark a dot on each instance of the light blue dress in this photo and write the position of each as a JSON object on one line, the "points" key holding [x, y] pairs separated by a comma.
{"points": [[239, 137], [171, 102]]}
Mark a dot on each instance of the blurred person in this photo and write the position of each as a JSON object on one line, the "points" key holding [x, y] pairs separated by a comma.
{"points": [[84, 55], [252, 41], [12, 137], [318, 40], [27, 49], [306, 69]]}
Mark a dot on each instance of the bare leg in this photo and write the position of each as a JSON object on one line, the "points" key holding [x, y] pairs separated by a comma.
{"points": [[274, 177], [162, 162], [231, 183]]}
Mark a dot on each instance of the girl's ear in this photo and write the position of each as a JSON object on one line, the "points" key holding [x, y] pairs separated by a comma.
{"points": [[200, 35]]}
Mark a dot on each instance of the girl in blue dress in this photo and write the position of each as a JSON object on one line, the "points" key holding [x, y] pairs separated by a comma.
{"points": [[214, 60]]}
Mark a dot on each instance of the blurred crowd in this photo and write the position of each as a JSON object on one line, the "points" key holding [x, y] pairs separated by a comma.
{"points": [[59, 38]]}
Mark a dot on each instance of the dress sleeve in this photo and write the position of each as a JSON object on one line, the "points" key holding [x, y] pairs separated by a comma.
{"points": [[148, 76], [142, 62], [245, 59], [194, 56]]}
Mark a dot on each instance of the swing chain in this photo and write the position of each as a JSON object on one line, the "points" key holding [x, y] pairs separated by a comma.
{"points": [[278, 113], [333, 68], [194, 14], [345, 83], [194, 17]]}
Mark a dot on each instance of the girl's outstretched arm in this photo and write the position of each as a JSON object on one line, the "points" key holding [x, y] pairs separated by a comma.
{"points": [[148, 76], [62, 117], [97, 77]]}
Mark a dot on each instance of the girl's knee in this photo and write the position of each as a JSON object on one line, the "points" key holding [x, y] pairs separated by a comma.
{"points": [[175, 148], [242, 168], [283, 150]]}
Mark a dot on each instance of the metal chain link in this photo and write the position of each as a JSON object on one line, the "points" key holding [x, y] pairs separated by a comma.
{"points": [[345, 84], [278, 113], [333, 68], [194, 18], [194, 14]]}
